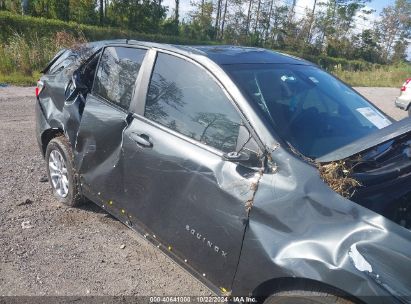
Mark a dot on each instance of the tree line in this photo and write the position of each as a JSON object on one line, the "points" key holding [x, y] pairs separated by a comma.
{"points": [[336, 28]]}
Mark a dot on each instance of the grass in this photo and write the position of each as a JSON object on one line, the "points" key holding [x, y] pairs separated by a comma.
{"points": [[338, 176], [19, 79], [22, 57], [386, 76]]}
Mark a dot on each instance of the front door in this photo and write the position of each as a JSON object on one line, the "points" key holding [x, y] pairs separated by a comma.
{"points": [[176, 181]]}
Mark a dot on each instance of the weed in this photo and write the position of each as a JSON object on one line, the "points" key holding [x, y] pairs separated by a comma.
{"points": [[338, 176]]}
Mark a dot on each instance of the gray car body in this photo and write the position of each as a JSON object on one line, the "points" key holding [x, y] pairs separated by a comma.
{"points": [[297, 228]]}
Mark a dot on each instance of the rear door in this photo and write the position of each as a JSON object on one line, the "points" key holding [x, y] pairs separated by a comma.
{"points": [[176, 181], [98, 145]]}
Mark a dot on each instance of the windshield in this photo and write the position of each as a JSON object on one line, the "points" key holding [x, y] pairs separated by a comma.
{"points": [[310, 109]]}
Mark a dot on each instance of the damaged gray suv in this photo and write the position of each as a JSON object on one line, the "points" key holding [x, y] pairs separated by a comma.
{"points": [[258, 172]]}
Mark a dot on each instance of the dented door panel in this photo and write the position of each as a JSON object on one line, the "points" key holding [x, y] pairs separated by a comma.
{"points": [[300, 228], [72, 112], [98, 148], [189, 197]]}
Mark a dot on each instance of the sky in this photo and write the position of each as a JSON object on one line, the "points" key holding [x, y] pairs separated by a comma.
{"points": [[377, 5], [185, 5]]}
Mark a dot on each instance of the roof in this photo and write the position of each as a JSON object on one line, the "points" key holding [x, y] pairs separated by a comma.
{"points": [[221, 54], [226, 54]]}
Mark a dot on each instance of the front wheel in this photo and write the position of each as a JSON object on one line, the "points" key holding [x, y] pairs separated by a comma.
{"points": [[313, 295], [61, 173]]}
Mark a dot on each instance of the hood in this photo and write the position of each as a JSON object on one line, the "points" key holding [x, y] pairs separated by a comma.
{"points": [[368, 142]]}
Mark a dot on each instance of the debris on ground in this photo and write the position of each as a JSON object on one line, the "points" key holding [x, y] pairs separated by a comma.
{"points": [[26, 225], [44, 179], [39, 280], [26, 201], [338, 176], [122, 246]]}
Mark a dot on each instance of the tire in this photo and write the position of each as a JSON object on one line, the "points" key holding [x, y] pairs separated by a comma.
{"points": [[61, 173], [409, 111], [309, 295]]}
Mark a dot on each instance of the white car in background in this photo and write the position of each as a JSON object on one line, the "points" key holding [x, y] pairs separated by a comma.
{"points": [[404, 100]]}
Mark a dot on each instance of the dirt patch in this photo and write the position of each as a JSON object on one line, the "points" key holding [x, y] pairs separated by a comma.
{"points": [[49, 249]]}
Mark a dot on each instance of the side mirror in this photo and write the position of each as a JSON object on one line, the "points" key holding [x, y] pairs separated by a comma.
{"points": [[247, 150], [236, 156]]}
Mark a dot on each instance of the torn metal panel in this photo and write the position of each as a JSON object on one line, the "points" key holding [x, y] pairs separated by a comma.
{"points": [[358, 260], [98, 147], [72, 112], [300, 228], [253, 187]]}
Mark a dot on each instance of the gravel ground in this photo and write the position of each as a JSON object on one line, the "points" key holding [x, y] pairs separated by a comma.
{"points": [[49, 249], [384, 99], [61, 250]]}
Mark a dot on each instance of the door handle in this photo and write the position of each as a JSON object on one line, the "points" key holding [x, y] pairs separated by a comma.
{"points": [[141, 139]]}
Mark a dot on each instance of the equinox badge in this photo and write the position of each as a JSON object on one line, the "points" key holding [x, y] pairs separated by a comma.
{"points": [[205, 241]]}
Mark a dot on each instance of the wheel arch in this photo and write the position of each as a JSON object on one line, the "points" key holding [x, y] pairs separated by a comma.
{"points": [[47, 136], [267, 288]]}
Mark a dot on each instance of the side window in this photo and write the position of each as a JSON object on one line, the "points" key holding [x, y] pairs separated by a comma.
{"points": [[65, 59], [185, 98], [88, 70], [117, 74]]}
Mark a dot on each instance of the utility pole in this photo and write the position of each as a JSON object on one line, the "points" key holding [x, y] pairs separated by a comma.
{"points": [[267, 30], [217, 18], [24, 7], [293, 6], [248, 18], [101, 11], [223, 21], [105, 9], [177, 13], [311, 22], [257, 17]]}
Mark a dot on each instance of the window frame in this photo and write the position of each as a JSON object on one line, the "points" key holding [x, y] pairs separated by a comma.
{"points": [[105, 100], [140, 104], [57, 67]]}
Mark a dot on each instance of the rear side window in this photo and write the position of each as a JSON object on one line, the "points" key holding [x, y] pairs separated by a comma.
{"points": [[65, 59], [186, 99], [117, 73]]}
